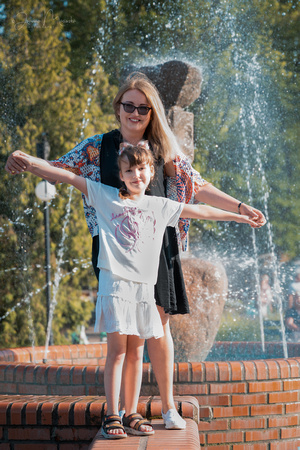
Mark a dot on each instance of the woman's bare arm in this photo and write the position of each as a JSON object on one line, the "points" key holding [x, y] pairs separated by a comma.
{"points": [[213, 196], [43, 169], [204, 212]]}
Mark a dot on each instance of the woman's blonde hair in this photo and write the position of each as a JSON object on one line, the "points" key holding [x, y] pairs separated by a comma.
{"points": [[158, 132]]}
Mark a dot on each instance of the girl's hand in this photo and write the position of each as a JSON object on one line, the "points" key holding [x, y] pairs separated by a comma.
{"points": [[17, 162], [254, 214]]}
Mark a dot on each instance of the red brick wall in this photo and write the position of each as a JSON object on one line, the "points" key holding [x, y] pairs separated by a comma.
{"points": [[49, 423], [244, 404]]}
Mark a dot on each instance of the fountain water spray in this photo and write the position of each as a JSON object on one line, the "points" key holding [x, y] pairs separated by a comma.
{"points": [[60, 260], [58, 274], [250, 118]]}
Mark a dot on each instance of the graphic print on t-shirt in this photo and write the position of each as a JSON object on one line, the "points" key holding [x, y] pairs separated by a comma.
{"points": [[133, 227]]}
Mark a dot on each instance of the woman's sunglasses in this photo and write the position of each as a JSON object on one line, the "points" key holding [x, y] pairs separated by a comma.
{"points": [[142, 110]]}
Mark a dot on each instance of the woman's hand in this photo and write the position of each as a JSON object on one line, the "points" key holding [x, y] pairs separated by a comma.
{"points": [[242, 218], [254, 214], [17, 162]]}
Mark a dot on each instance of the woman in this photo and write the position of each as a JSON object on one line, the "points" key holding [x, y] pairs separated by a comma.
{"points": [[140, 112]]}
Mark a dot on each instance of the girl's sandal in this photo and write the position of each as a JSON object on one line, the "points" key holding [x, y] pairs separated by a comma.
{"points": [[136, 427], [112, 422]]}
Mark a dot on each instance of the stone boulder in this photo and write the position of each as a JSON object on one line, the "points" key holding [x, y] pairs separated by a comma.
{"points": [[207, 286], [178, 83], [182, 125]]}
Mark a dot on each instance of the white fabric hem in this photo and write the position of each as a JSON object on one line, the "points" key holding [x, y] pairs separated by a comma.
{"points": [[138, 318]]}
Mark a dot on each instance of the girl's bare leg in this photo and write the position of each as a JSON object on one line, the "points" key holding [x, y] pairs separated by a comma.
{"points": [[132, 376], [116, 350], [161, 353], [122, 393]]}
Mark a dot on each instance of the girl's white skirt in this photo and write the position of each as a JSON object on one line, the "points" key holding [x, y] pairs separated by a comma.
{"points": [[126, 307]]}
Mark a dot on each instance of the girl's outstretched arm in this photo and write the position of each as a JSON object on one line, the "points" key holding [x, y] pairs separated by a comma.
{"points": [[205, 212], [43, 169]]}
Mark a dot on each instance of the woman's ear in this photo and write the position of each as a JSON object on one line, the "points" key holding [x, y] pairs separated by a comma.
{"points": [[118, 111]]}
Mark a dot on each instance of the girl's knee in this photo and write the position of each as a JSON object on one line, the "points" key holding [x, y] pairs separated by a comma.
{"points": [[134, 355], [115, 357], [135, 349], [115, 350]]}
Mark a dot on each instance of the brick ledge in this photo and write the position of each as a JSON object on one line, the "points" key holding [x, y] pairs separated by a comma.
{"points": [[162, 439], [81, 410]]}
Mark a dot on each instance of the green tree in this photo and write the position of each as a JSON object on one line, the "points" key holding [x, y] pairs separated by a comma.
{"points": [[81, 22], [285, 201], [40, 95]]}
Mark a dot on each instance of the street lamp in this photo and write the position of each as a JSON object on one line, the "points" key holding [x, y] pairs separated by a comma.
{"points": [[46, 192]]}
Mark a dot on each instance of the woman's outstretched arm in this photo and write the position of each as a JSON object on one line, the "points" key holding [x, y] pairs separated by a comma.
{"points": [[213, 196], [204, 212], [43, 169], [190, 180]]}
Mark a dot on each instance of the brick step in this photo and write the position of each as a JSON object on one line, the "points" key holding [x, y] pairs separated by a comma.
{"points": [[46, 422], [187, 439]]}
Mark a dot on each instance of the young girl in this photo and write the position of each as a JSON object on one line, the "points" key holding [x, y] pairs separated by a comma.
{"points": [[132, 225]]}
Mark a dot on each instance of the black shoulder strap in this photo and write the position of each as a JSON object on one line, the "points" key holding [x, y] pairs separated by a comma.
{"points": [[109, 170]]}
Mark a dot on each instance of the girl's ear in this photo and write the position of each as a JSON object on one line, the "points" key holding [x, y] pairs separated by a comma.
{"points": [[121, 176], [152, 170]]}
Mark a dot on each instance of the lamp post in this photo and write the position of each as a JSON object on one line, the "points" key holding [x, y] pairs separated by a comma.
{"points": [[45, 192]]}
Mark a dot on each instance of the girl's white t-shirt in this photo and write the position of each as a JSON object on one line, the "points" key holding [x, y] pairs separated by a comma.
{"points": [[131, 232]]}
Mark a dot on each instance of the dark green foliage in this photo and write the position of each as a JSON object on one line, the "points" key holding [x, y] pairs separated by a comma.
{"points": [[40, 94]]}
